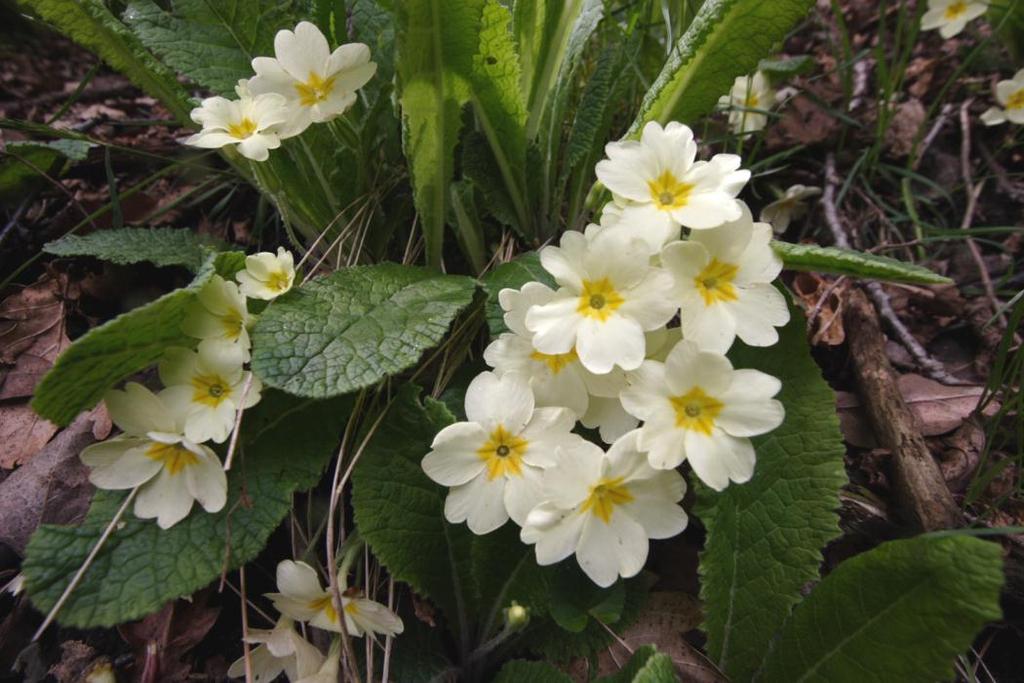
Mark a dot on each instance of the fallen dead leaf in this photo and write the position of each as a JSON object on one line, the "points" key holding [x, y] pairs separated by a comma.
{"points": [[822, 301], [32, 334], [161, 640], [22, 434], [903, 127]]}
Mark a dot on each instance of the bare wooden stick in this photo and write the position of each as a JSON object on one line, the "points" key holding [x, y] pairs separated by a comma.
{"points": [[246, 654]]}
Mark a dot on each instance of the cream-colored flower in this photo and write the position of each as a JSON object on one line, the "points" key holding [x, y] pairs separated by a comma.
{"points": [[154, 454], [249, 122], [747, 102], [280, 650], [951, 16], [330, 669], [219, 313], [695, 407], [206, 386], [1010, 95], [723, 285], [319, 84], [666, 187], [302, 598], [267, 276], [604, 507], [787, 207]]}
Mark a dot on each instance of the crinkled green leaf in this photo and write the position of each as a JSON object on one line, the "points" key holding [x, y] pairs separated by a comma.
{"points": [[353, 328], [161, 246], [855, 263], [647, 665], [284, 447], [117, 349], [90, 23], [436, 44], [522, 671], [511, 275], [900, 612], [787, 66], [726, 39], [764, 537]]}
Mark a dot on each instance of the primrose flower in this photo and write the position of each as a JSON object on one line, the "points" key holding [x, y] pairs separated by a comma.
{"points": [[493, 461], [281, 650], [302, 598], [609, 296], [330, 669], [723, 284], [665, 186], [267, 276], [219, 313], [787, 207], [1010, 94], [250, 122], [319, 84], [695, 407], [749, 98], [604, 507], [206, 388], [153, 453], [951, 16]]}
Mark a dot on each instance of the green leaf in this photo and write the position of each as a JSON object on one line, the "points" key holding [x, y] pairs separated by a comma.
{"points": [[647, 665], [764, 537], [726, 39], [900, 612], [210, 41], [161, 246], [21, 166], [355, 327], [90, 23], [284, 448], [511, 275], [522, 671], [436, 45], [854, 263], [115, 350], [787, 66]]}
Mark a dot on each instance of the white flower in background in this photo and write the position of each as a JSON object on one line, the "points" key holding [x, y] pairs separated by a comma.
{"points": [[280, 650], [219, 313], [609, 296], [318, 83], [153, 453], [951, 16], [330, 669], [666, 187], [749, 98], [1009, 94], [267, 276], [604, 507], [302, 598], [250, 122], [206, 387], [787, 207], [723, 284], [695, 407], [494, 460]]}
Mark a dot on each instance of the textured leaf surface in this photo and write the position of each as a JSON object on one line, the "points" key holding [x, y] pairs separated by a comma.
{"points": [[647, 665], [115, 350], [765, 537], [726, 39], [90, 23], [900, 612], [284, 448], [21, 166], [521, 671], [355, 327], [161, 246], [511, 275], [436, 44], [855, 263]]}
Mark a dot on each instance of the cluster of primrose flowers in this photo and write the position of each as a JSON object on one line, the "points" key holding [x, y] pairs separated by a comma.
{"points": [[304, 83], [598, 350]]}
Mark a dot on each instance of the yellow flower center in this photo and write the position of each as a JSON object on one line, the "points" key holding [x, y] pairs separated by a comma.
{"points": [[556, 362], [696, 410], [669, 193], [174, 456], [955, 9], [599, 299], [752, 101], [1016, 100], [232, 324], [604, 496], [315, 90], [326, 605], [715, 282], [210, 390], [278, 281], [352, 608], [503, 453], [242, 129]]}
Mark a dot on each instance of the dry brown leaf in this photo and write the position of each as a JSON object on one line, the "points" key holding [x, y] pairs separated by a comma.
{"points": [[161, 640], [822, 301], [22, 434], [32, 335], [903, 127]]}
